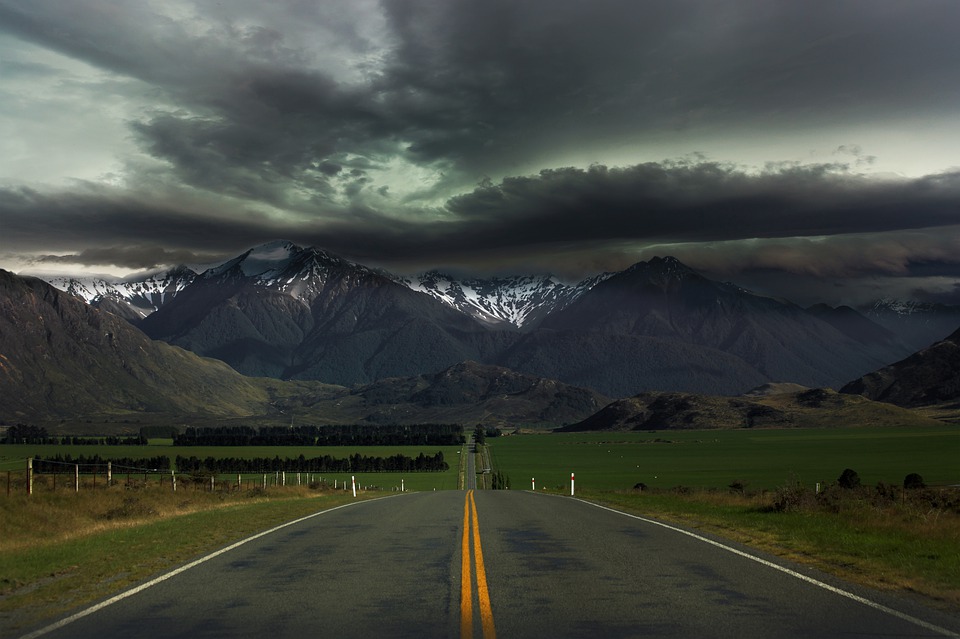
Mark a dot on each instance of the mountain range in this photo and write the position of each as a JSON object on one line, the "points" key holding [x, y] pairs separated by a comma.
{"points": [[62, 358], [289, 312]]}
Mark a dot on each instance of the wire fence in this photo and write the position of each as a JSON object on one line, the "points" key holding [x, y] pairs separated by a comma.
{"points": [[29, 476]]}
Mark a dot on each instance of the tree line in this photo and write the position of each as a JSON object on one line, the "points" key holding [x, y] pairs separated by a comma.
{"points": [[333, 435], [24, 434], [355, 463]]}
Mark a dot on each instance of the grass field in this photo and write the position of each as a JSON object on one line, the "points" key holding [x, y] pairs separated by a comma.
{"points": [[762, 459], [12, 457]]}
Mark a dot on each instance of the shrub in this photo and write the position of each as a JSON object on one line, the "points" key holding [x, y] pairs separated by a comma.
{"points": [[913, 481], [886, 492], [848, 479], [792, 497]]}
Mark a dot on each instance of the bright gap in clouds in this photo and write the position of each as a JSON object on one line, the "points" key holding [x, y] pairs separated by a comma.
{"points": [[63, 120]]}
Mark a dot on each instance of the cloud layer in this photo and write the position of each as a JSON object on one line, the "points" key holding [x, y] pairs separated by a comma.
{"points": [[495, 134]]}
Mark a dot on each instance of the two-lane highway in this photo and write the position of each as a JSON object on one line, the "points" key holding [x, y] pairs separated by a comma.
{"points": [[485, 563]]}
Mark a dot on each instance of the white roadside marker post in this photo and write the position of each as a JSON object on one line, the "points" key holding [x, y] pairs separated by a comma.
{"points": [[353, 483], [533, 483], [571, 484]]}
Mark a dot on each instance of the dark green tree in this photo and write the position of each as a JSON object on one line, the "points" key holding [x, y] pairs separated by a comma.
{"points": [[913, 481], [849, 479]]}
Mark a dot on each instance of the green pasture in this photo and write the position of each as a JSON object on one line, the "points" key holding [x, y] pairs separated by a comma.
{"points": [[763, 459]]}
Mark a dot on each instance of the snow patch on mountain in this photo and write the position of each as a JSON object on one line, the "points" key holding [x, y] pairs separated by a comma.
{"points": [[143, 293], [519, 301]]}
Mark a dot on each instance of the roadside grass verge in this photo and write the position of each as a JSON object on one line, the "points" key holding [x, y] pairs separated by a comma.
{"points": [[62, 551], [909, 544]]}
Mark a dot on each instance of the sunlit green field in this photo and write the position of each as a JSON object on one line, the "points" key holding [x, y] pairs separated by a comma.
{"points": [[761, 458]]}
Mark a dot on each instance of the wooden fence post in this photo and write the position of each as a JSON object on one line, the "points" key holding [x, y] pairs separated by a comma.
{"points": [[76, 478], [30, 476]]}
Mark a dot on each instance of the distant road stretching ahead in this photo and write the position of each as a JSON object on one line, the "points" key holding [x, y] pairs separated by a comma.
{"points": [[413, 566]]}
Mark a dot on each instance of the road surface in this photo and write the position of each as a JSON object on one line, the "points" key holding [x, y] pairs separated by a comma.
{"points": [[493, 563]]}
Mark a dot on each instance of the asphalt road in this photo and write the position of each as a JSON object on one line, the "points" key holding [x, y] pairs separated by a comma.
{"points": [[412, 566]]}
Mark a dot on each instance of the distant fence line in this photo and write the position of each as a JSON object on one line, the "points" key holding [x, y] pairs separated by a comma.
{"points": [[36, 474]]}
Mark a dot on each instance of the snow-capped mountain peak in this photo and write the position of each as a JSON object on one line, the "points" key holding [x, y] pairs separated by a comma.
{"points": [[282, 266], [269, 258], [263, 261], [139, 295]]}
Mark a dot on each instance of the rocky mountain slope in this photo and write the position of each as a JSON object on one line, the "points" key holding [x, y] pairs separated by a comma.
{"points": [[930, 376], [60, 357], [659, 325]]}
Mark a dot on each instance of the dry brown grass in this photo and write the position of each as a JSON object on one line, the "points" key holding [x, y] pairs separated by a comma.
{"points": [[62, 550], [52, 516]]}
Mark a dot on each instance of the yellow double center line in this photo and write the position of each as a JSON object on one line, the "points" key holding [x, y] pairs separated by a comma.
{"points": [[466, 578]]}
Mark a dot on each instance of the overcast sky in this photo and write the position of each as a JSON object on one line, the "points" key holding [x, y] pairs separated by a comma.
{"points": [[806, 149]]}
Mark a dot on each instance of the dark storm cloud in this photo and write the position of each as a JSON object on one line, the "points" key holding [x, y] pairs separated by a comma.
{"points": [[701, 202], [253, 121], [479, 86], [564, 209], [97, 217]]}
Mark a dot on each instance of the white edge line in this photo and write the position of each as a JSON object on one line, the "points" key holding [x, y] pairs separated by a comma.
{"points": [[173, 573], [792, 573]]}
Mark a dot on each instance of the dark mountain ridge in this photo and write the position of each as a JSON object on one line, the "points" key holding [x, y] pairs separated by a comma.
{"points": [[660, 325], [293, 313], [807, 408], [288, 312], [467, 393], [61, 358], [917, 324], [928, 377]]}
